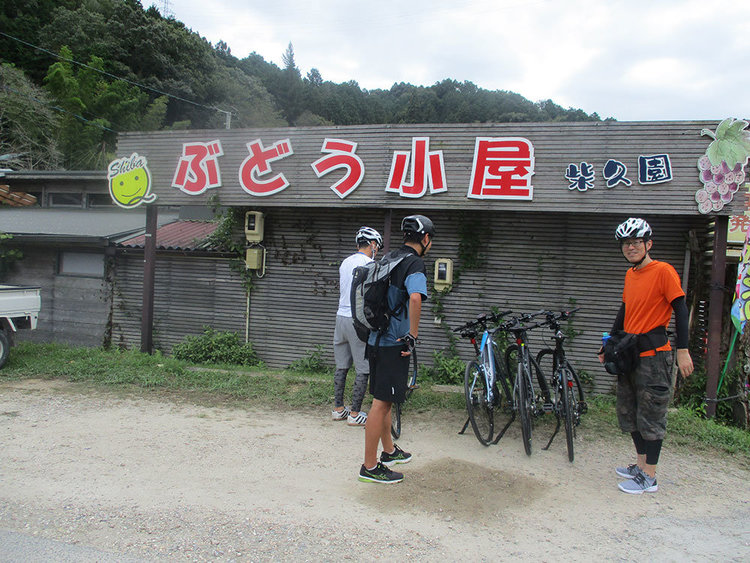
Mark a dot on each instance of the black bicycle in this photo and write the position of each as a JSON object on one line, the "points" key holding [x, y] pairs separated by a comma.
{"points": [[483, 396], [520, 362], [396, 407], [569, 401]]}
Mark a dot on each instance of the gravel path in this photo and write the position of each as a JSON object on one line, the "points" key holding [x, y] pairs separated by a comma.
{"points": [[113, 476]]}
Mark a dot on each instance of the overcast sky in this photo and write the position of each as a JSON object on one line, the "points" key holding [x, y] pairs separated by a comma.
{"points": [[627, 59]]}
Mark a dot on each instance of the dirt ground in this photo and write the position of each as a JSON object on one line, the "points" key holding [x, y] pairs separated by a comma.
{"points": [[144, 477]]}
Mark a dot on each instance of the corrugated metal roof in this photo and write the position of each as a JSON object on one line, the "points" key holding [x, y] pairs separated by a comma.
{"points": [[180, 235], [58, 175], [90, 223]]}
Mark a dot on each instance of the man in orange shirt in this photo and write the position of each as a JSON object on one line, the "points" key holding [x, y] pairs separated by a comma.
{"points": [[652, 291]]}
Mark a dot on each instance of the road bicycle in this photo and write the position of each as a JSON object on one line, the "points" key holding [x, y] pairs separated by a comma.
{"points": [[396, 407], [519, 361], [569, 402], [481, 391]]}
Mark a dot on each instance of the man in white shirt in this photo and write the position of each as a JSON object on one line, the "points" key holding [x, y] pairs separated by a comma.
{"points": [[348, 348]]}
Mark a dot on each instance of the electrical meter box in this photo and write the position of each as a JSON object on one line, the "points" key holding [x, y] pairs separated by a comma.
{"points": [[443, 273], [254, 226], [254, 258]]}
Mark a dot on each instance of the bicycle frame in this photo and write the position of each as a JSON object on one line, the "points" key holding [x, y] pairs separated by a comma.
{"points": [[569, 401], [484, 370], [487, 362], [523, 380]]}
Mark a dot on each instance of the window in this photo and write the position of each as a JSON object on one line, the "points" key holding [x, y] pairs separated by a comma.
{"points": [[65, 199], [100, 200], [82, 264]]}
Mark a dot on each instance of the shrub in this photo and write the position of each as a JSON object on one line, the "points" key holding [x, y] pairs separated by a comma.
{"points": [[691, 395], [216, 347], [446, 369], [312, 363]]}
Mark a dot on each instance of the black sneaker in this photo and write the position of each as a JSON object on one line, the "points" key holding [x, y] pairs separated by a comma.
{"points": [[379, 474], [398, 456]]}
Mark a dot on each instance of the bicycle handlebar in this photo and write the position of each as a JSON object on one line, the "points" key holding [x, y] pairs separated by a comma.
{"points": [[517, 323], [553, 319], [471, 328]]}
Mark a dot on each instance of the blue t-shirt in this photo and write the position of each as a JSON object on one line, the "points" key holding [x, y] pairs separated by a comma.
{"points": [[407, 278]]}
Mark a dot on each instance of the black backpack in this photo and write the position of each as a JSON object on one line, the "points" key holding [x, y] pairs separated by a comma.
{"points": [[369, 295]]}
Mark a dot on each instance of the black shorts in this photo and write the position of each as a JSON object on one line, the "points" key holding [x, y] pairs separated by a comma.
{"points": [[389, 372]]}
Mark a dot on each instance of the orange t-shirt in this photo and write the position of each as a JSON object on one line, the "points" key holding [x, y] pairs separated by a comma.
{"points": [[648, 296]]}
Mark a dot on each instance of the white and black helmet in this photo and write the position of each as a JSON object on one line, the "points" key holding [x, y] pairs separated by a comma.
{"points": [[634, 227], [366, 235]]}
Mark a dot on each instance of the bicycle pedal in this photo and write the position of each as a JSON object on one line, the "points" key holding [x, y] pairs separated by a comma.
{"points": [[583, 408], [415, 386], [548, 407]]}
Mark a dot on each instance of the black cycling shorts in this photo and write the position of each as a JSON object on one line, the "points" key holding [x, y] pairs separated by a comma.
{"points": [[389, 372]]}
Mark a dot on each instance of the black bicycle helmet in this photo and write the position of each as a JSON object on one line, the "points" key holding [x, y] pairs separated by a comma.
{"points": [[366, 235], [418, 224], [634, 227]]}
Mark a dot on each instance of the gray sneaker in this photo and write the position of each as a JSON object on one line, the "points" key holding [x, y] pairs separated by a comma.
{"points": [[639, 484], [628, 472]]}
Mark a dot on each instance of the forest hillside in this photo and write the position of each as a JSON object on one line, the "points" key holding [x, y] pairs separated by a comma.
{"points": [[74, 73]]}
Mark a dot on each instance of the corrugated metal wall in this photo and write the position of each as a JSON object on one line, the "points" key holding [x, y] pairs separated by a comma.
{"points": [[532, 261], [75, 309], [190, 293]]}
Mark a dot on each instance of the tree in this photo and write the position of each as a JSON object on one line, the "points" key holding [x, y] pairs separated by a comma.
{"points": [[289, 88], [314, 77], [28, 123], [96, 108], [250, 103]]}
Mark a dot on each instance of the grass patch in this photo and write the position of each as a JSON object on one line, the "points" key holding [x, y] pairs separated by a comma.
{"points": [[302, 389]]}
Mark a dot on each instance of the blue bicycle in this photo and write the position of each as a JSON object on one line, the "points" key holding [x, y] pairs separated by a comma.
{"points": [[482, 375]]}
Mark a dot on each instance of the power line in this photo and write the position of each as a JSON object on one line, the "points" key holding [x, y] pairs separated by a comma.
{"points": [[42, 102], [112, 75]]}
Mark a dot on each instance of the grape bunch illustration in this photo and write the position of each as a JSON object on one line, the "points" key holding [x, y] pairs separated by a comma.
{"points": [[722, 168]]}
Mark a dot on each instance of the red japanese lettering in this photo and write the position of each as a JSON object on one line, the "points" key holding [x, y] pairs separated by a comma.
{"points": [[257, 165], [739, 223], [427, 170], [341, 155], [198, 167], [502, 168]]}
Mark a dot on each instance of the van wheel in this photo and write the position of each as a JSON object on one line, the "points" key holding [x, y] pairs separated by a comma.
{"points": [[4, 347]]}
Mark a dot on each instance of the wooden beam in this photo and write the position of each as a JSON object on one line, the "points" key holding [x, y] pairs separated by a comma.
{"points": [[716, 311], [149, 270]]}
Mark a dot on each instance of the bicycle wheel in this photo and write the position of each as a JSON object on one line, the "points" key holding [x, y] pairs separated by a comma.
{"points": [[396, 420], [503, 395], [579, 389], [524, 402], [480, 412], [546, 361], [568, 400], [536, 365]]}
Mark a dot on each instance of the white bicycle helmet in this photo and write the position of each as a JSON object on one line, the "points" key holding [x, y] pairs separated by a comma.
{"points": [[366, 235], [634, 227]]}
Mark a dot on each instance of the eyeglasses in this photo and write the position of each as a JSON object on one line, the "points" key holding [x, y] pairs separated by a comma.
{"points": [[632, 242]]}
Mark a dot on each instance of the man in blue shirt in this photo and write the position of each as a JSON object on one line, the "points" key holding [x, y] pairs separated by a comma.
{"points": [[389, 353]]}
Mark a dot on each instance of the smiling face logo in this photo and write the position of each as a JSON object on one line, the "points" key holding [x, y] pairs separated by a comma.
{"points": [[130, 181]]}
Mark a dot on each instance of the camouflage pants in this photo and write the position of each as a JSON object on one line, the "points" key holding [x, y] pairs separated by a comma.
{"points": [[643, 396]]}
